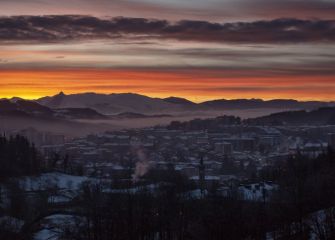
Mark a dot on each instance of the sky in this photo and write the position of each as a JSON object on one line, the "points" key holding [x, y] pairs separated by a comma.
{"points": [[200, 50]]}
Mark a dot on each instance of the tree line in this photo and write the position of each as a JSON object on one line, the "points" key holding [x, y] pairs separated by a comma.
{"points": [[18, 157], [306, 186]]}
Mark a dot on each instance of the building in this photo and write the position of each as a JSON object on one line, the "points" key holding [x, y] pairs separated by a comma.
{"points": [[224, 147], [258, 192], [314, 149]]}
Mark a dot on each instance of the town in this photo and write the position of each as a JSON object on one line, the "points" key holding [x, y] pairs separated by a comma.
{"points": [[235, 163], [228, 158]]}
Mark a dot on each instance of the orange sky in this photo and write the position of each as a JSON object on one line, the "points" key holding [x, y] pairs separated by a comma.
{"points": [[228, 49], [196, 85]]}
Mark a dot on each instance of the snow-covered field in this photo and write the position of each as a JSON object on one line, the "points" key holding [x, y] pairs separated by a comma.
{"points": [[53, 180], [53, 226]]}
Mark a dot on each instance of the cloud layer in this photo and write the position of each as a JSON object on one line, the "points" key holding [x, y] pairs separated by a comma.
{"points": [[61, 28], [176, 9]]}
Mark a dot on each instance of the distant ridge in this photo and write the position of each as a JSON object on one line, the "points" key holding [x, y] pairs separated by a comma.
{"points": [[32, 109], [108, 103], [178, 100], [116, 103]]}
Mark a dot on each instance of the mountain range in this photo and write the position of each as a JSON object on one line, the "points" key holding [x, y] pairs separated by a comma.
{"points": [[129, 105], [80, 114], [109, 104], [31, 109], [130, 102]]}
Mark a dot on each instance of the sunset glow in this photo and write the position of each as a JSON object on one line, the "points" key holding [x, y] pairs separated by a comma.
{"points": [[206, 50], [196, 85]]}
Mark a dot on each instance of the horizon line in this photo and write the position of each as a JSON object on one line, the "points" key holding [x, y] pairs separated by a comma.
{"points": [[162, 98]]}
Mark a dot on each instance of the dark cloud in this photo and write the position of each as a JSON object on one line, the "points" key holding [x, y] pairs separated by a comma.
{"points": [[175, 9], [260, 9], [60, 28]]}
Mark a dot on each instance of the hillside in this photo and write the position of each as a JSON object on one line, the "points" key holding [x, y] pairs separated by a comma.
{"points": [[259, 103], [321, 116], [31, 109]]}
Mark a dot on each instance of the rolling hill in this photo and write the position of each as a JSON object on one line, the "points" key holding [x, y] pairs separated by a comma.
{"points": [[321, 116]]}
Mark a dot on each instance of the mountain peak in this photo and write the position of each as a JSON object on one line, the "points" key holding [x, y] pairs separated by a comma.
{"points": [[55, 101], [15, 99], [178, 100]]}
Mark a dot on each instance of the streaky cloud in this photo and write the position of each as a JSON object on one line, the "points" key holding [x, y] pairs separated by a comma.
{"points": [[62, 28]]}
